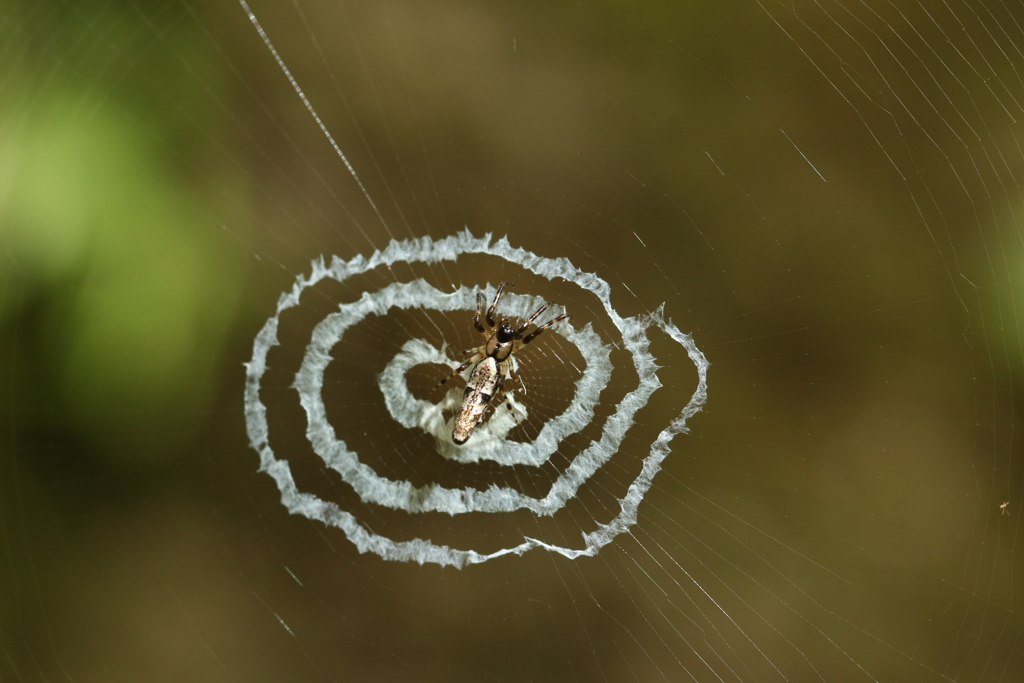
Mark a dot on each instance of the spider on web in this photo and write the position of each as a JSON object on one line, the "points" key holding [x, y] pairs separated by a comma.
{"points": [[493, 361]]}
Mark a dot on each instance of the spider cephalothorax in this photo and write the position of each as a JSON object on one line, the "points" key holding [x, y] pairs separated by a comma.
{"points": [[493, 362]]}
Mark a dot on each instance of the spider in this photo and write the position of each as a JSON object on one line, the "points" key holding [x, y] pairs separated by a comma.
{"points": [[493, 363]]}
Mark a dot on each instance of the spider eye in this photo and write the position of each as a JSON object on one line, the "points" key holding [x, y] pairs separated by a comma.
{"points": [[505, 333]]}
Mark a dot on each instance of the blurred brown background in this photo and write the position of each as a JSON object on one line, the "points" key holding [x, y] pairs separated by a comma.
{"points": [[825, 195]]}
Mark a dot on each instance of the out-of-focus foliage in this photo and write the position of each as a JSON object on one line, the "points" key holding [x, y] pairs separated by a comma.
{"points": [[111, 266]]}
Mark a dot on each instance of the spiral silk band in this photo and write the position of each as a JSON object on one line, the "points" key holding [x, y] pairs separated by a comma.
{"points": [[489, 443]]}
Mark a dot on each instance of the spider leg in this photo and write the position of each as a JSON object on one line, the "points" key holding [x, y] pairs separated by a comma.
{"points": [[469, 361], [529, 338], [503, 399], [514, 377], [522, 328], [508, 405], [479, 311], [494, 304]]}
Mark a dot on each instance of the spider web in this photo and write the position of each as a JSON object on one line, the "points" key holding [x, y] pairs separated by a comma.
{"points": [[820, 199]]}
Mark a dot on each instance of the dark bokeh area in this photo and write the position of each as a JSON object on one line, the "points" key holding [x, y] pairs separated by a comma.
{"points": [[825, 195]]}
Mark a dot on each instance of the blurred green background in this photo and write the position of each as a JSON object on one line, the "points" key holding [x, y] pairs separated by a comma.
{"points": [[826, 196]]}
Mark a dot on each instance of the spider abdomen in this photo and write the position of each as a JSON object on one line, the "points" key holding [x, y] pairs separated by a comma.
{"points": [[482, 385]]}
